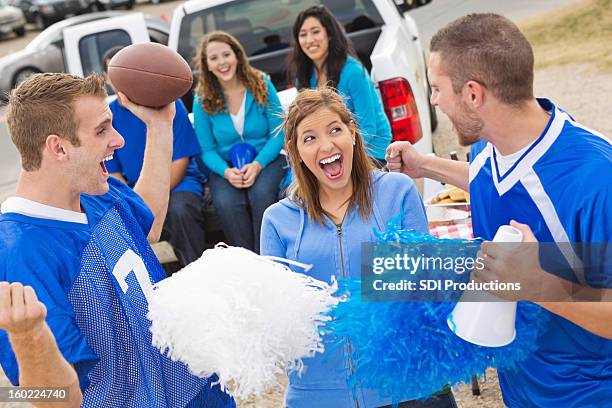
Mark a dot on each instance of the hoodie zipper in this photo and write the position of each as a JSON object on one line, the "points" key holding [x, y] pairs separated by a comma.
{"points": [[350, 361]]}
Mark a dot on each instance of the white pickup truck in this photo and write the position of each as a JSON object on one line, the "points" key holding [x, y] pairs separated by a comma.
{"points": [[385, 38]]}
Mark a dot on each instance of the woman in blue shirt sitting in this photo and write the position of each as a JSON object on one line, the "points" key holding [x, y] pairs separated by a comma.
{"points": [[323, 55], [336, 202], [235, 103]]}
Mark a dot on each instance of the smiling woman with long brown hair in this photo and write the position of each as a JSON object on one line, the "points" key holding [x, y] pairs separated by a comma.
{"points": [[237, 104], [322, 55], [336, 202]]}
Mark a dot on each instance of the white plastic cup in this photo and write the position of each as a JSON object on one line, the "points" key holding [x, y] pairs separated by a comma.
{"points": [[492, 323]]}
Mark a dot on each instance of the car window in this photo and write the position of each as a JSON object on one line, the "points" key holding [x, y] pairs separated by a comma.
{"points": [[93, 47], [264, 26], [45, 38], [158, 36]]}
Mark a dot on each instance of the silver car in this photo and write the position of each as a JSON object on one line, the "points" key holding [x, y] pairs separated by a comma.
{"points": [[11, 20], [46, 51]]}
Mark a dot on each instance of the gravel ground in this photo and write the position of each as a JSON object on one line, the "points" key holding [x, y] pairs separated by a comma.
{"points": [[579, 89]]}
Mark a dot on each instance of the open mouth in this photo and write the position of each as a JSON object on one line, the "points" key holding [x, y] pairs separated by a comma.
{"points": [[104, 170], [332, 166]]}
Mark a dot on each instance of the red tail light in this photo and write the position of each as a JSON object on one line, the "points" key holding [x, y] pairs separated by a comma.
{"points": [[400, 107]]}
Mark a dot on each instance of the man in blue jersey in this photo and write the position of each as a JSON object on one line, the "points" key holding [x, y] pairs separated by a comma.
{"points": [[77, 240], [184, 224], [531, 163]]}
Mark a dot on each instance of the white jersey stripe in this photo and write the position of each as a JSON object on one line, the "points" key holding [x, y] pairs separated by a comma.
{"points": [[479, 161], [591, 131], [534, 188], [526, 163]]}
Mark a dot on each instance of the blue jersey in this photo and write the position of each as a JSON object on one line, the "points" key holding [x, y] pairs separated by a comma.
{"points": [[128, 160], [94, 279], [560, 189]]}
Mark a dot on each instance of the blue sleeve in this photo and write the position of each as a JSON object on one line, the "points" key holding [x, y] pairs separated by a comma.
{"points": [[358, 87], [476, 148], [271, 242], [276, 136], [596, 236], [136, 204], [185, 140], [46, 273], [114, 165], [414, 210], [204, 131]]}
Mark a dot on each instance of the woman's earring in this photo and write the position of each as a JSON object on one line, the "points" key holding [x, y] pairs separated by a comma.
{"points": [[353, 142]]}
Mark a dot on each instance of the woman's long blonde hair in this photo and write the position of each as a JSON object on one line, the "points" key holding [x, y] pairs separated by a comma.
{"points": [[208, 87], [304, 190]]}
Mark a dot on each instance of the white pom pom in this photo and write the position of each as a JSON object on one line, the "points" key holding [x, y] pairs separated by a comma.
{"points": [[241, 316]]}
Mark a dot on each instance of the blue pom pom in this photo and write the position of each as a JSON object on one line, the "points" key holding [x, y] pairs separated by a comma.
{"points": [[406, 351]]}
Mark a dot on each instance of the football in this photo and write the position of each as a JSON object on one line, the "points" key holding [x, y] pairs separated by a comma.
{"points": [[150, 74]]}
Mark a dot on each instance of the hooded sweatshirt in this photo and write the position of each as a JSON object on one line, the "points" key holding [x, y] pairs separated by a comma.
{"points": [[336, 251]]}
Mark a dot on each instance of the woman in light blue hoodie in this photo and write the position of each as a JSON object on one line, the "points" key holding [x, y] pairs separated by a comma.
{"points": [[335, 203], [322, 55]]}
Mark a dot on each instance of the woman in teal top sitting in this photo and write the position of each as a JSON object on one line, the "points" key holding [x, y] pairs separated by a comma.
{"points": [[323, 55], [235, 103]]}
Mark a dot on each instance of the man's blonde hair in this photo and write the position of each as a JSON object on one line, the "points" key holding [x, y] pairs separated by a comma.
{"points": [[44, 105]]}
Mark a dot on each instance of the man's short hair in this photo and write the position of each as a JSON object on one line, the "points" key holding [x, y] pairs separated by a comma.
{"points": [[44, 105], [108, 55], [489, 49]]}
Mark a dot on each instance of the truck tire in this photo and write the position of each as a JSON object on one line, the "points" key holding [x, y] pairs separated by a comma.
{"points": [[96, 6], [433, 118], [23, 74], [20, 31], [40, 22]]}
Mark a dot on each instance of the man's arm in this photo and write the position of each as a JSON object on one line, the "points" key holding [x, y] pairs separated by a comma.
{"points": [[587, 307], [40, 362], [153, 185], [403, 157], [591, 316], [178, 168]]}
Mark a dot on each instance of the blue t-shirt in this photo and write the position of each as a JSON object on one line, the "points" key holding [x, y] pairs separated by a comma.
{"points": [[94, 280], [560, 189], [128, 160]]}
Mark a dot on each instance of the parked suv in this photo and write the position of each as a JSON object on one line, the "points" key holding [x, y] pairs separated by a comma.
{"points": [[43, 13], [102, 5], [11, 20], [47, 51]]}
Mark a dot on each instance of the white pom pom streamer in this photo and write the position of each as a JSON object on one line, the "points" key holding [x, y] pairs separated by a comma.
{"points": [[241, 316]]}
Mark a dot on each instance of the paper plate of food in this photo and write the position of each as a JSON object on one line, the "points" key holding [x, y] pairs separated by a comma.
{"points": [[450, 196], [449, 206]]}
